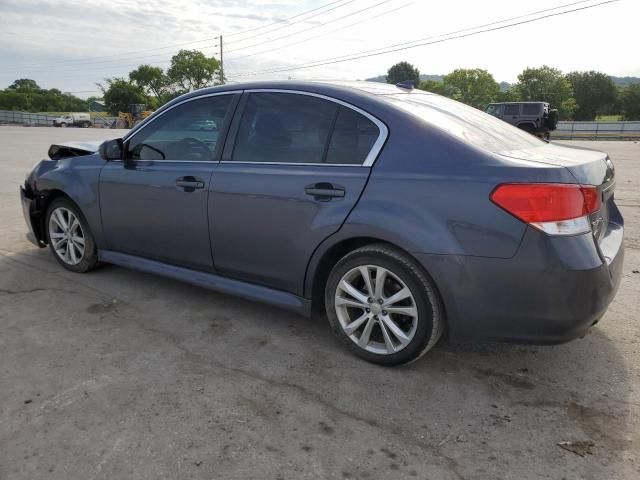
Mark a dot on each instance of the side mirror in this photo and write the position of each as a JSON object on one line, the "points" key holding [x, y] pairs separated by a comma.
{"points": [[112, 149]]}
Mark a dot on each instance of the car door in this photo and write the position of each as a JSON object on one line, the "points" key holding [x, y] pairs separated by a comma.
{"points": [[154, 202], [294, 171]]}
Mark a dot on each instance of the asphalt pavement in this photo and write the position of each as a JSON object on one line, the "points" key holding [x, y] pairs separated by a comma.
{"points": [[121, 374]]}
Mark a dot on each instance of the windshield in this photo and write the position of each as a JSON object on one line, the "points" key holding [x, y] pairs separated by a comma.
{"points": [[464, 122]]}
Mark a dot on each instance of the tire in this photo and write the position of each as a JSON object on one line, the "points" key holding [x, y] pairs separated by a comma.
{"points": [[77, 258], [527, 127], [63, 124], [419, 329]]}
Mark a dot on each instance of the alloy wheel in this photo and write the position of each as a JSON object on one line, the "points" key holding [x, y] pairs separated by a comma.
{"points": [[66, 236], [376, 309]]}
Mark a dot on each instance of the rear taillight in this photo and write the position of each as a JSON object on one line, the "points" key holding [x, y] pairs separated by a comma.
{"points": [[554, 208]]}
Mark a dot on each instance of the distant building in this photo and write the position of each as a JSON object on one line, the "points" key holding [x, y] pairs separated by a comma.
{"points": [[97, 106]]}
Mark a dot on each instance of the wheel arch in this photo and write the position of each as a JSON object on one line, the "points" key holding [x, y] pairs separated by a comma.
{"points": [[527, 125], [328, 254], [45, 199]]}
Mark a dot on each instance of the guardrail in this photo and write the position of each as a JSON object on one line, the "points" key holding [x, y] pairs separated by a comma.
{"points": [[42, 120], [597, 131]]}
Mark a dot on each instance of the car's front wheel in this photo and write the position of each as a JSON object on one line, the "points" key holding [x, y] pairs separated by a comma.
{"points": [[383, 306], [69, 236]]}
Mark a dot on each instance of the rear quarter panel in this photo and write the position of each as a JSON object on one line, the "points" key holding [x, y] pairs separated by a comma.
{"points": [[429, 193]]}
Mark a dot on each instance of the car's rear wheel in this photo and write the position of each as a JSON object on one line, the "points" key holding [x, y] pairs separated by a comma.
{"points": [[69, 237], [383, 306]]}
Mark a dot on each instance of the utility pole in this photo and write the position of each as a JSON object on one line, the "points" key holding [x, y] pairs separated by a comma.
{"points": [[221, 63]]}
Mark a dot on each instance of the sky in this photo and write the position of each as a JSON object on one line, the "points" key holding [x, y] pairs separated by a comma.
{"points": [[71, 45]]}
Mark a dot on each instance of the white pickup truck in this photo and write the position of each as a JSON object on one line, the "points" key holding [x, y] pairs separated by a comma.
{"points": [[73, 120]]}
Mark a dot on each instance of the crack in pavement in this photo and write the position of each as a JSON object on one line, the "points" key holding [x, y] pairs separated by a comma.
{"points": [[202, 361]]}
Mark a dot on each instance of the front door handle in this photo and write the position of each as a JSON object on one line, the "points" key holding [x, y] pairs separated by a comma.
{"points": [[324, 191], [189, 183]]}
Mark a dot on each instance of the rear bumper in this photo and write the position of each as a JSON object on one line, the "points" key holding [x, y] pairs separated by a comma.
{"points": [[553, 290]]}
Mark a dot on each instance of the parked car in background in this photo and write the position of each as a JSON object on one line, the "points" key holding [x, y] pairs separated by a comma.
{"points": [[82, 120], [204, 125], [396, 212], [536, 118]]}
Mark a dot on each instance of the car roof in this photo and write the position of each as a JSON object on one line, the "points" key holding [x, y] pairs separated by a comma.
{"points": [[326, 87]]}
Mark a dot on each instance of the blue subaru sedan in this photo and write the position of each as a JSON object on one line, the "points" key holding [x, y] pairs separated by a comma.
{"points": [[397, 213]]}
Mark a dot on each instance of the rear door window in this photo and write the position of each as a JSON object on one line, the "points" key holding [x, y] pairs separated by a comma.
{"points": [[284, 128]]}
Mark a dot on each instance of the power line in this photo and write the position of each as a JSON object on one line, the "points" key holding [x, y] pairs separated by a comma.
{"points": [[167, 47], [463, 30], [283, 20], [390, 49], [116, 61], [91, 60], [297, 21], [119, 65], [311, 28], [288, 45], [100, 63]]}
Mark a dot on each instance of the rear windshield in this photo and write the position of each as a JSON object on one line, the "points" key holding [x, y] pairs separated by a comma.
{"points": [[466, 123]]}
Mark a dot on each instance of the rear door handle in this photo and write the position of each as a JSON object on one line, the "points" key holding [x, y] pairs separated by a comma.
{"points": [[324, 191], [189, 183]]}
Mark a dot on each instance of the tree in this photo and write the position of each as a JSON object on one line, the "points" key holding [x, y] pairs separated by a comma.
{"points": [[475, 87], [12, 100], [630, 101], [510, 95], [120, 93], [152, 80], [594, 92], [191, 69], [24, 84], [402, 72], [432, 86], [546, 84]]}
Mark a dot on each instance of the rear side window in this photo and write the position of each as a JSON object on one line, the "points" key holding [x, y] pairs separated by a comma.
{"points": [[284, 128], [352, 138], [511, 109], [530, 109]]}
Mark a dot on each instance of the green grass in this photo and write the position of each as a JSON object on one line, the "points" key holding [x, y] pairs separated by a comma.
{"points": [[609, 118]]}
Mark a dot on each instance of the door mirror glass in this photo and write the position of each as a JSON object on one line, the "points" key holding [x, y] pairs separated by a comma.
{"points": [[111, 149]]}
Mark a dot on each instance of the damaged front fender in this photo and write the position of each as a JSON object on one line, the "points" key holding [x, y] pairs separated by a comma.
{"points": [[75, 177]]}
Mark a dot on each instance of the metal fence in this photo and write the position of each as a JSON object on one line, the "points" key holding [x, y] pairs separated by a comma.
{"points": [[40, 119], [597, 131]]}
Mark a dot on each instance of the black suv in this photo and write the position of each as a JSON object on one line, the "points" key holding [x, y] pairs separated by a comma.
{"points": [[533, 117]]}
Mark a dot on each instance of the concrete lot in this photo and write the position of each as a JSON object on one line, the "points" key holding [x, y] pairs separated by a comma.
{"points": [[119, 374]]}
